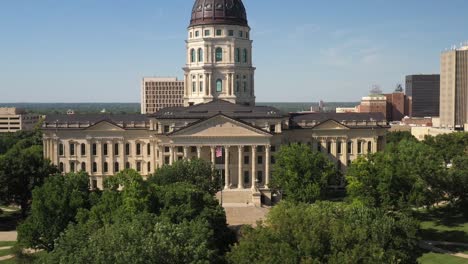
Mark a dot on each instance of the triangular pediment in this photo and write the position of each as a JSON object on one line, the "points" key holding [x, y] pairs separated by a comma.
{"points": [[220, 126], [104, 126], [330, 125]]}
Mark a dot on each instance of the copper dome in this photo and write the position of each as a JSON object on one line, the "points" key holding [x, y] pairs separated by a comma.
{"points": [[230, 12]]}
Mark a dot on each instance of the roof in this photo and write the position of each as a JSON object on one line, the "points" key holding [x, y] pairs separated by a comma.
{"points": [[82, 121], [338, 117], [203, 111], [225, 12]]}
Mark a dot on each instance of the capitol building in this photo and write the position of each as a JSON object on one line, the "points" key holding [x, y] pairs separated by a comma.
{"points": [[218, 122]]}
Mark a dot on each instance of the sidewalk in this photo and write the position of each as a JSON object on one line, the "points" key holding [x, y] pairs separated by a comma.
{"points": [[8, 236]]}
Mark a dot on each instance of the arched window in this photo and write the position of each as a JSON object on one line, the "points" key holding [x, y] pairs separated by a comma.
{"points": [[72, 166], [237, 55], [244, 55], [200, 55], [94, 167], [148, 149], [61, 168], [116, 167], [106, 167], [127, 165], [149, 167], [219, 85], [138, 149], [192, 55], [83, 166], [369, 147], [219, 54]]}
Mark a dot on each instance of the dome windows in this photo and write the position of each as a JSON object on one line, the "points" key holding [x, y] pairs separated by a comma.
{"points": [[219, 32], [237, 55], [200, 55], [245, 56], [192, 55]]}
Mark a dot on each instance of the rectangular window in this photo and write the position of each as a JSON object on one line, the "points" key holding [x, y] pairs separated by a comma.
{"points": [[193, 149], [166, 160], [138, 149], [127, 165], [329, 147], [194, 87], [167, 149], [246, 177], [106, 167], [94, 149], [219, 32], [207, 32], [127, 149], [260, 160], [319, 146], [259, 177], [106, 149], [273, 148], [197, 33], [116, 167], [180, 149], [166, 129], [201, 86], [350, 147], [72, 166], [116, 149], [338, 148], [72, 149], [246, 160], [148, 149], [359, 147], [241, 34], [231, 33], [94, 167], [61, 149], [83, 149]]}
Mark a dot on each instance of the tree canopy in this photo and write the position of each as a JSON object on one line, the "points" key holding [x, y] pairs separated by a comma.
{"points": [[327, 232], [403, 176], [136, 221], [302, 174], [54, 205], [22, 168], [196, 171]]}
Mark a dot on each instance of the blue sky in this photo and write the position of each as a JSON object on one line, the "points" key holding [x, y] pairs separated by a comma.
{"points": [[304, 50]]}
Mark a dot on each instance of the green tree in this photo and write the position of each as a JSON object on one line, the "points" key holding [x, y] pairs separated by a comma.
{"points": [[196, 171], [55, 205], [403, 176], [449, 145], [144, 239], [135, 221], [22, 168], [327, 232], [302, 174], [457, 188], [398, 136]]}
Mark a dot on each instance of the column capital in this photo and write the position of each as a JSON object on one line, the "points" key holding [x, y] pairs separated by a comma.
{"points": [[240, 147]]}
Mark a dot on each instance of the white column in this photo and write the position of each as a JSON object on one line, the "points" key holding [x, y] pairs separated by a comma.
{"points": [[199, 152], [254, 167], [185, 152], [226, 168], [267, 166], [171, 155], [213, 156], [110, 151], [240, 184]]}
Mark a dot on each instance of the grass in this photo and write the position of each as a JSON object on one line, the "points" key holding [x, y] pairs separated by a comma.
{"points": [[5, 252], [7, 244], [434, 258], [443, 225]]}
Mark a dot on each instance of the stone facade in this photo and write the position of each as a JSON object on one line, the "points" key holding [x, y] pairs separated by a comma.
{"points": [[240, 142]]}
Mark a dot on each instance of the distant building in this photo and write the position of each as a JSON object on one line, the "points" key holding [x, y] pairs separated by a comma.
{"points": [[454, 88], [398, 106], [375, 103], [341, 110], [158, 93], [15, 119], [420, 133], [424, 91]]}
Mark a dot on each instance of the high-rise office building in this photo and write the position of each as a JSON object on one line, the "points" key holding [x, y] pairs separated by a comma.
{"points": [[424, 93], [454, 88], [158, 93]]}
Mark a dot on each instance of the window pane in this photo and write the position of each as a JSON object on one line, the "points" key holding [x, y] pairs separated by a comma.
{"points": [[219, 86], [219, 54]]}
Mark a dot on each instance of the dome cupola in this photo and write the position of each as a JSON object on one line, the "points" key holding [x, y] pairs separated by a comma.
{"points": [[226, 12]]}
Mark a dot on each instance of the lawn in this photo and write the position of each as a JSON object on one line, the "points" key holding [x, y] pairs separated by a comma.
{"points": [[6, 244], [434, 258], [443, 225]]}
